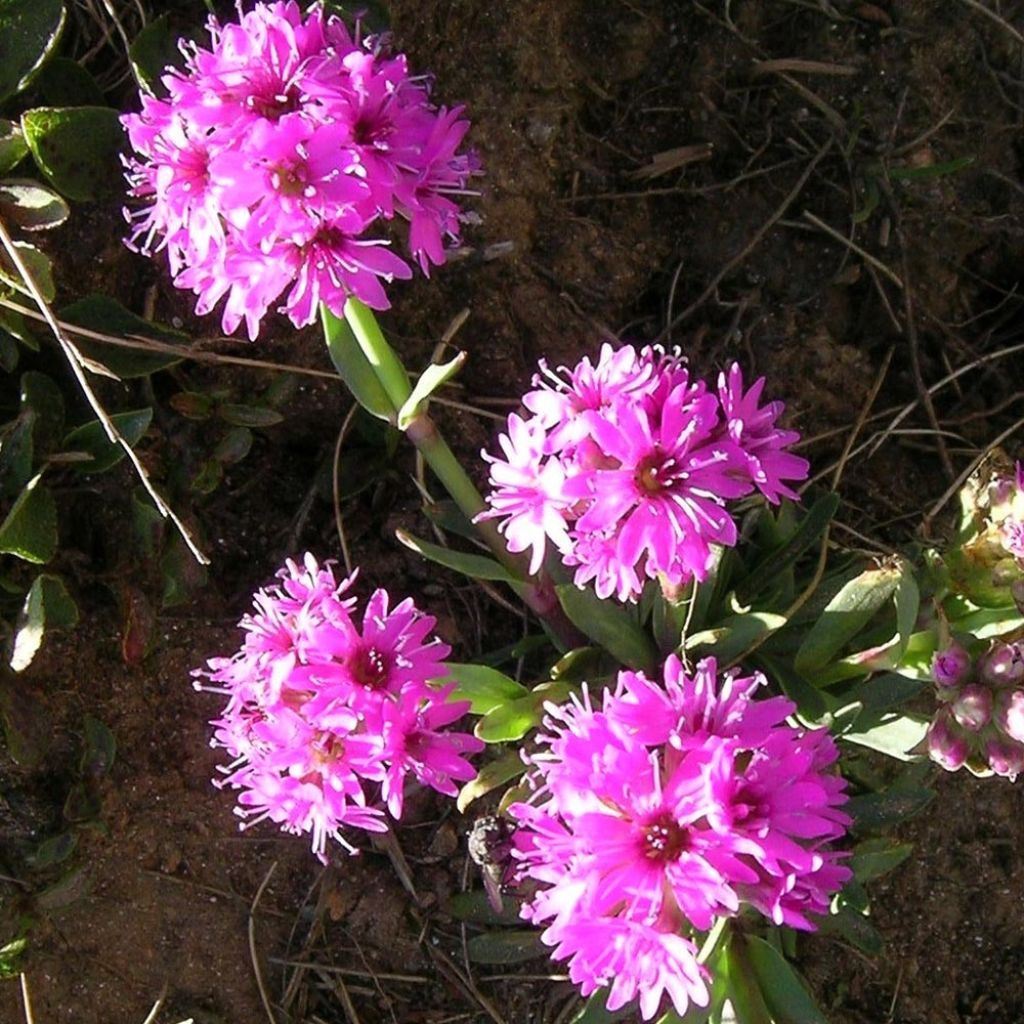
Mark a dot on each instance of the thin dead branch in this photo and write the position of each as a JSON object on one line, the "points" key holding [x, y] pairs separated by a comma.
{"points": [[256, 969]]}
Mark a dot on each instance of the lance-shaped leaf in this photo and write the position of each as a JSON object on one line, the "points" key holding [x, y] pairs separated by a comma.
{"points": [[785, 995], [898, 735], [610, 625], [485, 688], [811, 527], [513, 719], [876, 857], [878, 812], [29, 30], [93, 441], [433, 377], [493, 774], [846, 615], [735, 635], [354, 368], [477, 567], [475, 908], [506, 947]]}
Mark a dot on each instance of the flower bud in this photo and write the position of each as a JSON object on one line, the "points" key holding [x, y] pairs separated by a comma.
{"points": [[950, 667], [947, 746], [1009, 714], [1017, 591], [1003, 665], [1005, 757], [972, 709]]}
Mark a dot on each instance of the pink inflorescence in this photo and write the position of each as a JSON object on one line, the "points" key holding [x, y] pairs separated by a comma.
{"points": [[326, 716], [626, 465], [273, 154], [668, 808], [979, 722]]}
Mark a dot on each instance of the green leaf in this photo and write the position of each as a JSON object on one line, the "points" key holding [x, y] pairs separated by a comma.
{"points": [[63, 82], [254, 416], [31, 206], [931, 170], [908, 604], [13, 147], [193, 405], [233, 446], [182, 574], [41, 395], [476, 567], [493, 774], [36, 263], [897, 735], [432, 378], [475, 908], [736, 635], [485, 688], [29, 30], [876, 857], [153, 51], [17, 450], [106, 315], [506, 947], [856, 928], [100, 749], [845, 616], [878, 812], [18, 327], [92, 439], [9, 954], [54, 850], [513, 719], [76, 148], [208, 477], [595, 1012], [30, 529], [811, 527], [610, 625], [47, 605], [354, 368], [810, 703], [784, 993]]}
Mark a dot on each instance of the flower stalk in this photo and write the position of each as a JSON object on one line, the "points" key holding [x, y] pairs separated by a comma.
{"points": [[416, 423]]}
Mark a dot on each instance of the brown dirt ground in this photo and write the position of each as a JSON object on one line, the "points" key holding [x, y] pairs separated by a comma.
{"points": [[570, 102]]}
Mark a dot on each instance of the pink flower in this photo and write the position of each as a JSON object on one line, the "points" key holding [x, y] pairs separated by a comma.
{"points": [[277, 151], [326, 720], [627, 465], [665, 810]]}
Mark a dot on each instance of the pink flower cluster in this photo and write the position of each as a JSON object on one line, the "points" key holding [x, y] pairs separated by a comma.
{"points": [[323, 716], [980, 719], [273, 154], [668, 808], [625, 466]]}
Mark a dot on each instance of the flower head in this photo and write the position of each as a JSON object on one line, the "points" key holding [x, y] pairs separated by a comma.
{"points": [[626, 466], [275, 152], [326, 717], [665, 809]]}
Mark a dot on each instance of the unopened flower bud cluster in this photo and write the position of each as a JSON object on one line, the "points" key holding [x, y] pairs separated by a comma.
{"points": [[980, 720]]}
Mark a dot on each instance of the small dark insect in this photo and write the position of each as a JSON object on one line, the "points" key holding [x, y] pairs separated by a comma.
{"points": [[490, 847]]}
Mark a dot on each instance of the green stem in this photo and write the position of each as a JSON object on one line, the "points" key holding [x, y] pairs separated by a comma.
{"points": [[380, 355], [539, 593]]}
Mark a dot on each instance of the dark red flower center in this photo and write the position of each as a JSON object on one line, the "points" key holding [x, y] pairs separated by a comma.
{"points": [[274, 105], [663, 838], [370, 667], [656, 472]]}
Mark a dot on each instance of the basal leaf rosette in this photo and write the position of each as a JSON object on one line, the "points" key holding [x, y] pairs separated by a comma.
{"points": [[330, 714], [277, 151], [673, 804], [625, 466]]}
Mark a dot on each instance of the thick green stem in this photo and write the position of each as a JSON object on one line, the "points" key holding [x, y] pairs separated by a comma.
{"points": [[380, 355], [538, 593]]}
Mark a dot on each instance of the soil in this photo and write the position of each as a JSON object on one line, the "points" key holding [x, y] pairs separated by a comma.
{"points": [[903, 136]]}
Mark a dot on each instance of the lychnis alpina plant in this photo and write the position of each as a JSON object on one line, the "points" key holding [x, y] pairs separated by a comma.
{"points": [[326, 718], [677, 803], [265, 172]]}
